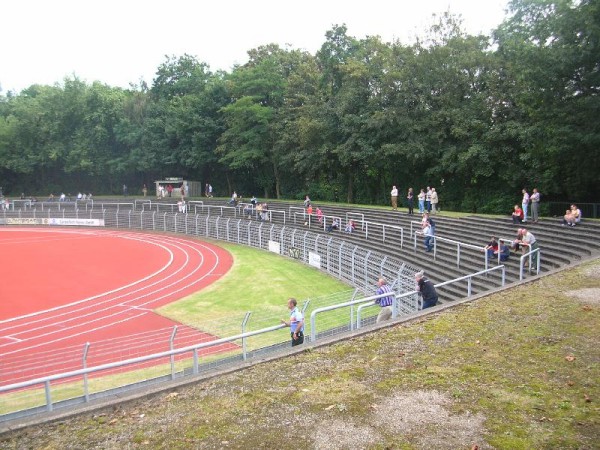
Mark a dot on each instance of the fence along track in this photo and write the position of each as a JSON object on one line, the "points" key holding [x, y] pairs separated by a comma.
{"points": [[348, 262]]}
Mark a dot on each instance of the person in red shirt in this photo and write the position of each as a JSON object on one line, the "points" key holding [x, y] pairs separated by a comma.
{"points": [[517, 215]]}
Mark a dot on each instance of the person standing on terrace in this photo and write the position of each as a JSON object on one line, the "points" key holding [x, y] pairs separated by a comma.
{"points": [[534, 198], [525, 204], [394, 195]]}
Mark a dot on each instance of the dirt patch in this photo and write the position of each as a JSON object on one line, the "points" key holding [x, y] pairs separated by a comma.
{"points": [[591, 296], [338, 434], [425, 418], [593, 271]]}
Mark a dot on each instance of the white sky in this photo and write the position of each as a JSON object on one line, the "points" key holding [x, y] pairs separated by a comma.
{"points": [[119, 42]]}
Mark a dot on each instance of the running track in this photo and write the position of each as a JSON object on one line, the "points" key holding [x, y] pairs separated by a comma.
{"points": [[62, 288]]}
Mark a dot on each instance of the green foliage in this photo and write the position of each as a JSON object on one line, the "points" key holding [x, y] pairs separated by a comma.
{"points": [[477, 117]]}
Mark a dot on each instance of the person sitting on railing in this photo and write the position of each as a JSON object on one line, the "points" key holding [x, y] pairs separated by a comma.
{"points": [[428, 237], [335, 225], [350, 227], [426, 290], [264, 215], [492, 248], [517, 215], [309, 211], [527, 241], [504, 252], [319, 215], [248, 210], [233, 200], [428, 220]]}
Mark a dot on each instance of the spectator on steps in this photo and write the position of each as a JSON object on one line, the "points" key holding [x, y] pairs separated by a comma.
{"points": [[504, 252], [335, 225], [307, 202], [319, 215], [492, 247], [568, 219], [350, 227], [517, 215], [426, 290], [576, 214], [428, 237]]}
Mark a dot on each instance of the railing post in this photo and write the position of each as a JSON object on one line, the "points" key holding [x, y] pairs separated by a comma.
{"points": [[49, 406], [172, 347], [86, 394], [195, 362], [244, 339]]}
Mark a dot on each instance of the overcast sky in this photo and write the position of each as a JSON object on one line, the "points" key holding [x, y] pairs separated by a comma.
{"points": [[119, 42]]}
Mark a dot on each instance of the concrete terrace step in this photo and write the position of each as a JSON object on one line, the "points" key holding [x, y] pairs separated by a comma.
{"points": [[559, 245]]}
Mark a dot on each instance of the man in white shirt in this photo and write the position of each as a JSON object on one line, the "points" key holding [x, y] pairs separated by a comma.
{"points": [[394, 195], [525, 204]]}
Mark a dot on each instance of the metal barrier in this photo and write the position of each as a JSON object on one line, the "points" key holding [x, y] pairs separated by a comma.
{"points": [[528, 256], [46, 381], [345, 261], [458, 244]]}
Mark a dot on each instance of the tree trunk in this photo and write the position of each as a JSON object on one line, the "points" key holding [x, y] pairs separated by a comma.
{"points": [[229, 188], [350, 186], [277, 182]]}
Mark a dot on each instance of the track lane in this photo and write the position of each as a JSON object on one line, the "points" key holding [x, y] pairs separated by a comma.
{"points": [[112, 314]]}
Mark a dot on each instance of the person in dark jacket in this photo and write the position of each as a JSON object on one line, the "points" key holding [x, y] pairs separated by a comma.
{"points": [[426, 290]]}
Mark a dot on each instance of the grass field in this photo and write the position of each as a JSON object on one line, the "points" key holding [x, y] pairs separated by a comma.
{"points": [[259, 281]]}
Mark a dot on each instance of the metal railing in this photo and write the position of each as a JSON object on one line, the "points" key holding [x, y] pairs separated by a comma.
{"points": [[345, 261], [84, 372], [459, 246]]}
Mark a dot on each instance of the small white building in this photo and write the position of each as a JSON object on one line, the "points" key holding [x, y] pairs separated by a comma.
{"points": [[178, 185]]}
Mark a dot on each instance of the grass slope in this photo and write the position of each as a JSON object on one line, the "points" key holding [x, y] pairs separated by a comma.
{"points": [[259, 281], [516, 370]]}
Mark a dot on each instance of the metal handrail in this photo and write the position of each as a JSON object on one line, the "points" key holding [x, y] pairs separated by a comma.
{"points": [[451, 241], [140, 359]]}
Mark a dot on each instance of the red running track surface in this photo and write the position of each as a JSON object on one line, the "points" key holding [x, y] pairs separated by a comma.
{"points": [[62, 288]]}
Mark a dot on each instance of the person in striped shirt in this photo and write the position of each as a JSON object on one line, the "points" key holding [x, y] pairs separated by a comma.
{"points": [[384, 302]]}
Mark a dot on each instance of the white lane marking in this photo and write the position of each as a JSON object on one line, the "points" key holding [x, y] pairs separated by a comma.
{"points": [[38, 313], [198, 246]]}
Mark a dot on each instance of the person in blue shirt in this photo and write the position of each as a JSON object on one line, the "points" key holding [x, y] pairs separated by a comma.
{"points": [[385, 302], [296, 322]]}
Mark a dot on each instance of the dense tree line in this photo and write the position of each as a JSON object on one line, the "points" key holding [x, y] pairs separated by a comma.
{"points": [[478, 117]]}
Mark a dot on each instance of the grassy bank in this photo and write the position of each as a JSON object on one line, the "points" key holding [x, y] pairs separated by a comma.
{"points": [[515, 370]]}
